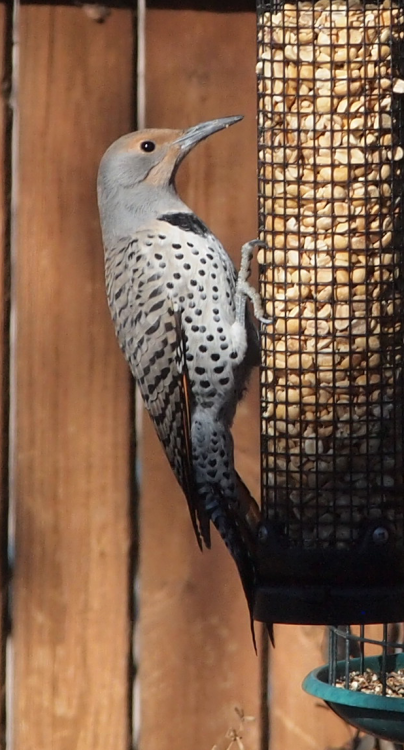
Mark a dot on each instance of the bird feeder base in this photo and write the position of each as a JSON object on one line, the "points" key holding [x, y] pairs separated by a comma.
{"points": [[326, 605], [375, 714]]}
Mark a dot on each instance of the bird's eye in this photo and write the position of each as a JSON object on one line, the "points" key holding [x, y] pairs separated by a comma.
{"points": [[148, 146]]}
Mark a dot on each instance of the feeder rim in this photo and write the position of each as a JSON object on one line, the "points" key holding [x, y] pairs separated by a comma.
{"points": [[315, 686]]}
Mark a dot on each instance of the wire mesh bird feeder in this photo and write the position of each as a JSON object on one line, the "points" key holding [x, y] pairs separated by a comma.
{"points": [[331, 181], [364, 681]]}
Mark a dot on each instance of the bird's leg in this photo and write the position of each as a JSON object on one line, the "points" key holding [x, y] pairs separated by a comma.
{"points": [[244, 289]]}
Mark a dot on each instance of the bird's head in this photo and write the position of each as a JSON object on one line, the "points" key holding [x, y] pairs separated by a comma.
{"points": [[136, 175], [152, 156]]}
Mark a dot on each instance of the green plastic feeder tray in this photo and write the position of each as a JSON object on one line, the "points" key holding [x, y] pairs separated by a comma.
{"points": [[376, 714]]}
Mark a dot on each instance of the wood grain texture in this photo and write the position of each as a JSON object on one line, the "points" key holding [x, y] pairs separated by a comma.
{"points": [[5, 145], [218, 6], [72, 446], [298, 719], [197, 657]]}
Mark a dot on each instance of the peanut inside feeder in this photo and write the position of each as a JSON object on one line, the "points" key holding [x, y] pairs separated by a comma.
{"points": [[331, 183]]}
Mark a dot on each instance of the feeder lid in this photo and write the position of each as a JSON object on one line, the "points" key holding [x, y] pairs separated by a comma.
{"points": [[380, 715]]}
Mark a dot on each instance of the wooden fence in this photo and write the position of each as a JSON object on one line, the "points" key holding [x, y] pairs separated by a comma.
{"points": [[75, 527]]}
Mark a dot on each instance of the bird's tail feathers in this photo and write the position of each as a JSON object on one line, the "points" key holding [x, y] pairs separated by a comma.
{"points": [[233, 533], [270, 629], [251, 516]]}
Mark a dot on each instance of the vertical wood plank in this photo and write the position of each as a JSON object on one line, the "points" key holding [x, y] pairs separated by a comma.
{"points": [[299, 719], [197, 656], [5, 146], [72, 584]]}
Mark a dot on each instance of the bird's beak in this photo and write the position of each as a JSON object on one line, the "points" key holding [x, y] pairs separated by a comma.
{"points": [[192, 136]]}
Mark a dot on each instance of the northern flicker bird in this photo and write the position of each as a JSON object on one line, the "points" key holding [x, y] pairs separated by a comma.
{"points": [[180, 314]]}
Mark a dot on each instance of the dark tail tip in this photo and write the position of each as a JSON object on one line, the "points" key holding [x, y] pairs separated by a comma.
{"points": [[253, 636], [270, 629]]}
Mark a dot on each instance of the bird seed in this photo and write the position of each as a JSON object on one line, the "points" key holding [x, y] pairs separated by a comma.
{"points": [[331, 157], [370, 682]]}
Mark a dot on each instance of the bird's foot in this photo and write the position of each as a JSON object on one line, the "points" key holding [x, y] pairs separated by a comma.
{"points": [[244, 289]]}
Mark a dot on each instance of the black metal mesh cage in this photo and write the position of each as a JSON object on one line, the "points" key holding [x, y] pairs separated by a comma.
{"points": [[331, 168]]}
